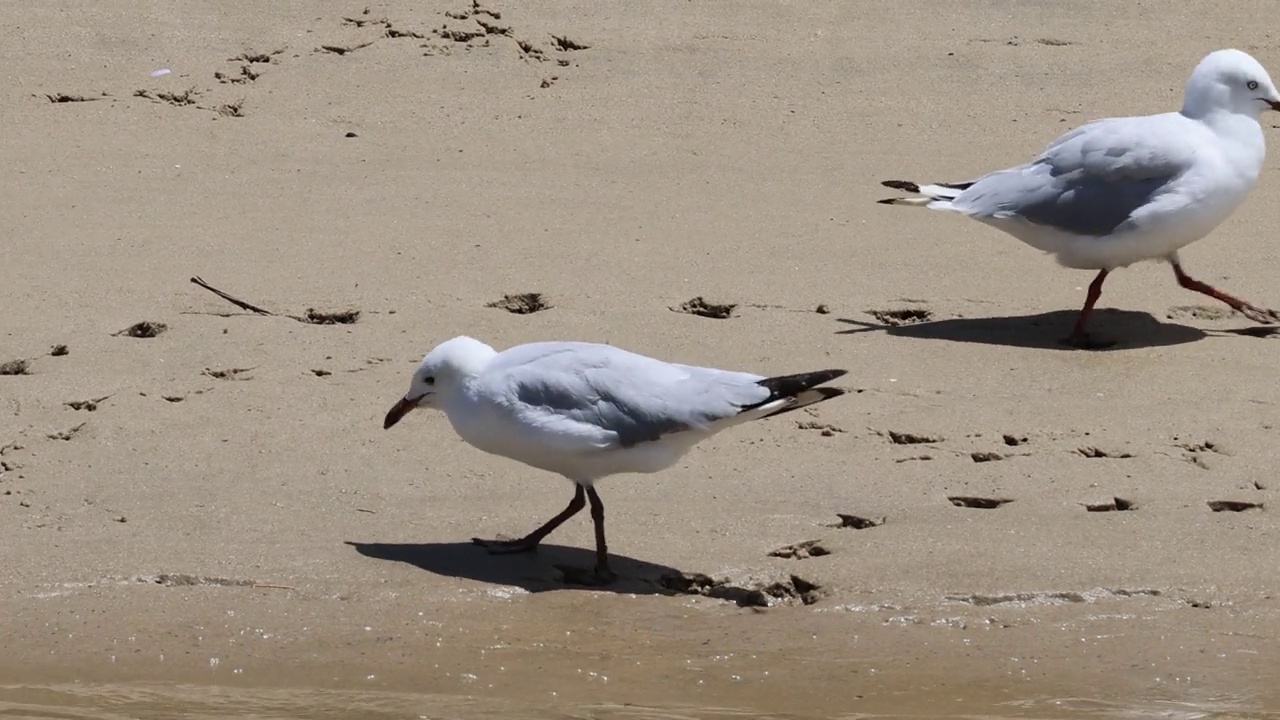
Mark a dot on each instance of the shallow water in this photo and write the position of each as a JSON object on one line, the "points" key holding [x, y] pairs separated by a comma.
{"points": [[86, 701]]}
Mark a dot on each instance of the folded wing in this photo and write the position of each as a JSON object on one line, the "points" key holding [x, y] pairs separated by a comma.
{"points": [[1094, 181], [586, 398]]}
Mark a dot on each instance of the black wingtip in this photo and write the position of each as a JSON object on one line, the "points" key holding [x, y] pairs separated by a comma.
{"points": [[792, 385], [904, 185], [800, 389], [887, 201]]}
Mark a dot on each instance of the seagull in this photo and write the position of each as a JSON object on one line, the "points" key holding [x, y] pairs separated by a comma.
{"points": [[1117, 191], [586, 411]]}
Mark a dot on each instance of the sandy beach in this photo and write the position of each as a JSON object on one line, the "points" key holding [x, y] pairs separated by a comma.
{"points": [[202, 516]]}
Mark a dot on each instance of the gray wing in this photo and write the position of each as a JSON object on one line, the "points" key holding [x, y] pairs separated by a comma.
{"points": [[594, 397], [1091, 181]]}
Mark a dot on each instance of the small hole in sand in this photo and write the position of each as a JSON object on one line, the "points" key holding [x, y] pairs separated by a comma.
{"points": [[521, 303], [701, 307], [1233, 505], [144, 329], [21, 366], [980, 503], [337, 317]]}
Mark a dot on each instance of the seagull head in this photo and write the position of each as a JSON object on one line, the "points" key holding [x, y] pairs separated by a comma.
{"points": [[440, 374], [1230, 81]]}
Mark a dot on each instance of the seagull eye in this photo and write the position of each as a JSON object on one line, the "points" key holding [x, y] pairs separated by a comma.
{"points": [[1252, 84], [429, 380]]}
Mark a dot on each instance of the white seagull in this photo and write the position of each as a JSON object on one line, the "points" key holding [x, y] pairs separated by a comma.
{"points": [[587, 411], [1117, 191]]}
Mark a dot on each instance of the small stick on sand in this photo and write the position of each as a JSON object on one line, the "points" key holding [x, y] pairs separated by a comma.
{"points": [[276, 587], [312, 317], [234, 301]]}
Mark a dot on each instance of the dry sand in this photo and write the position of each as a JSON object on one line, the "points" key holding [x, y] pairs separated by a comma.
{"points": [[257, 544]]}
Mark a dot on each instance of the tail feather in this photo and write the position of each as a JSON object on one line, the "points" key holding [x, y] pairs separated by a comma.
{"points": [[932, 192], [903, 185], [920, 201], [798, 390]]}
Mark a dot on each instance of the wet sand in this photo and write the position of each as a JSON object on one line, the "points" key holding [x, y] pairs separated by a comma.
{"points": [[211, 521]]}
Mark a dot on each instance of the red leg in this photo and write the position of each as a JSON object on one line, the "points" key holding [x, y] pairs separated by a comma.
{"points": [[529, 542], [1252, 312], [603, 574], [1079, 337]]}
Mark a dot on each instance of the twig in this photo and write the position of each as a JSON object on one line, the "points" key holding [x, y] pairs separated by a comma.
{"points": [[312, 316], [234, 301], [275, 587]]}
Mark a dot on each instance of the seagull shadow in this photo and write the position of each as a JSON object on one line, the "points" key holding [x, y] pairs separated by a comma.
{"points": [[535, 572], [1129, 329], [1259, 331]]}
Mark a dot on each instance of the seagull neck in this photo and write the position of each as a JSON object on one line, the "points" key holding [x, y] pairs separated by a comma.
{"points": [[1225, 123], [1241, 138], [463, 386], [455, 402]]}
